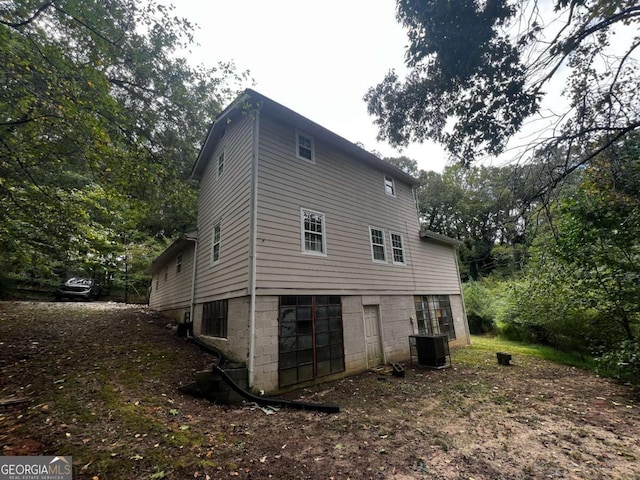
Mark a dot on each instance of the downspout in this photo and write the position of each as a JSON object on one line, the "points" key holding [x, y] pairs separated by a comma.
{"points": [[253, 240], [192, 313]]}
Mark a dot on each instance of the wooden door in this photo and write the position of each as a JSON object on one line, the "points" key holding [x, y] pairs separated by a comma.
{"points": [[372, 335]]}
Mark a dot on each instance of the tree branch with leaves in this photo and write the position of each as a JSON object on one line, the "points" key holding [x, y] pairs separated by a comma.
{"points": [[478, 72]]}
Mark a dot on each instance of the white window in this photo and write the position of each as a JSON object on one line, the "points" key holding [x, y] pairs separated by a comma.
{"points": [[314, 237], [215, 244], [378, 250], [397, 248], [389, 186], [220, 164], [304, 147]]}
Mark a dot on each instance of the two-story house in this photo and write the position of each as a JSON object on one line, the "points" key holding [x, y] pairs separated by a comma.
{"points": [[309, 262]]}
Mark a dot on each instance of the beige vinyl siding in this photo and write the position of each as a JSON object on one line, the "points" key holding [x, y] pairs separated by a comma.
{"points": [[175, 291], [226, 200], [352, 197]]}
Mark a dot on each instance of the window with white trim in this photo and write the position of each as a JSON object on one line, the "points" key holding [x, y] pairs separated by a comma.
{"points": [[179, 263], [215, 244], [397, 248], [378, 249], [304, 147], [313, 232], [389, 185], [220, 164]]}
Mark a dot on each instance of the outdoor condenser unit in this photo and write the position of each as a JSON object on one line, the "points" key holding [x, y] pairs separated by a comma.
{"points": [[430, 350]]}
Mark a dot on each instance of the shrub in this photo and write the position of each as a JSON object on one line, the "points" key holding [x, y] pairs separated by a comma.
{"points": [[621, 362], [479, 304]]}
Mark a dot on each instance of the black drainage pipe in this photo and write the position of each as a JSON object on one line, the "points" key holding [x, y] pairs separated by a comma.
{"points": [[209, 349], [318, 407]]}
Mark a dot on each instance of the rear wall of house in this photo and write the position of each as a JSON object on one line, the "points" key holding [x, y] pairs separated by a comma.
{"points": [[352, 197]]}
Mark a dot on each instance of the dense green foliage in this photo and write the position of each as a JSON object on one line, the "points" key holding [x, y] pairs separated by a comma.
{"points": [[552, 243], [478, 70], [100, 124], [492, 210], [563, 271], [579, 290]]}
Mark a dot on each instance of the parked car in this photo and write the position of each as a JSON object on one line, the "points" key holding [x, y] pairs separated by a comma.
{"points": [[82, 288]]}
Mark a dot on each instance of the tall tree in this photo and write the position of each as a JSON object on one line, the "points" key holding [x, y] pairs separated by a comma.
{"points": [[479, 69], [597, 234], [490, 209], [580, 291], [100, 120]]}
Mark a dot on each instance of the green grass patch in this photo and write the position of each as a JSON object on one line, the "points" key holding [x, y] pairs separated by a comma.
{"points": [[490, 345]]}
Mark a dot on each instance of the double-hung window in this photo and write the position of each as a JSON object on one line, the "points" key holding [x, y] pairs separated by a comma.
{"points": [[304, 147], [397, 248], [215, 244], [314, 237], [389, 186], [378, 248]]}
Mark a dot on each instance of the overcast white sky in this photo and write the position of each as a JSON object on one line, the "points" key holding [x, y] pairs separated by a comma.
{"points": [[315, 57]]}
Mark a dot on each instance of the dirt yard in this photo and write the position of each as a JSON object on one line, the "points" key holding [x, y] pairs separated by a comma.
{"points": [[99, 382]]}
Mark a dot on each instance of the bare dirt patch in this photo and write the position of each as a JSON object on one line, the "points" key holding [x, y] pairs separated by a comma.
{"points": [[100, 383]]}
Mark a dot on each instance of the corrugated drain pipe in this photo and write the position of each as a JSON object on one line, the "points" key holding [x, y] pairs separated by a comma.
{"points": [[318, 407]]}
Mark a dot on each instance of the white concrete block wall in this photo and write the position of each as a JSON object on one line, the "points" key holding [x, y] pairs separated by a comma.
{"points": [[355, 359], [266, 344], [236, 346], [196, 318], [238, 329], [176, 314], [396, 312]]}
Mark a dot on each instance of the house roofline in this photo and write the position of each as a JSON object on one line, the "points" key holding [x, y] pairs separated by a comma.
{"points": [[273, 108], [437, 237], [176, 247]]}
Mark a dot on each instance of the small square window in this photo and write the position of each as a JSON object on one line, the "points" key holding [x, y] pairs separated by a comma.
{"points": [[389, 186], [378, 250], [305, 147]]}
